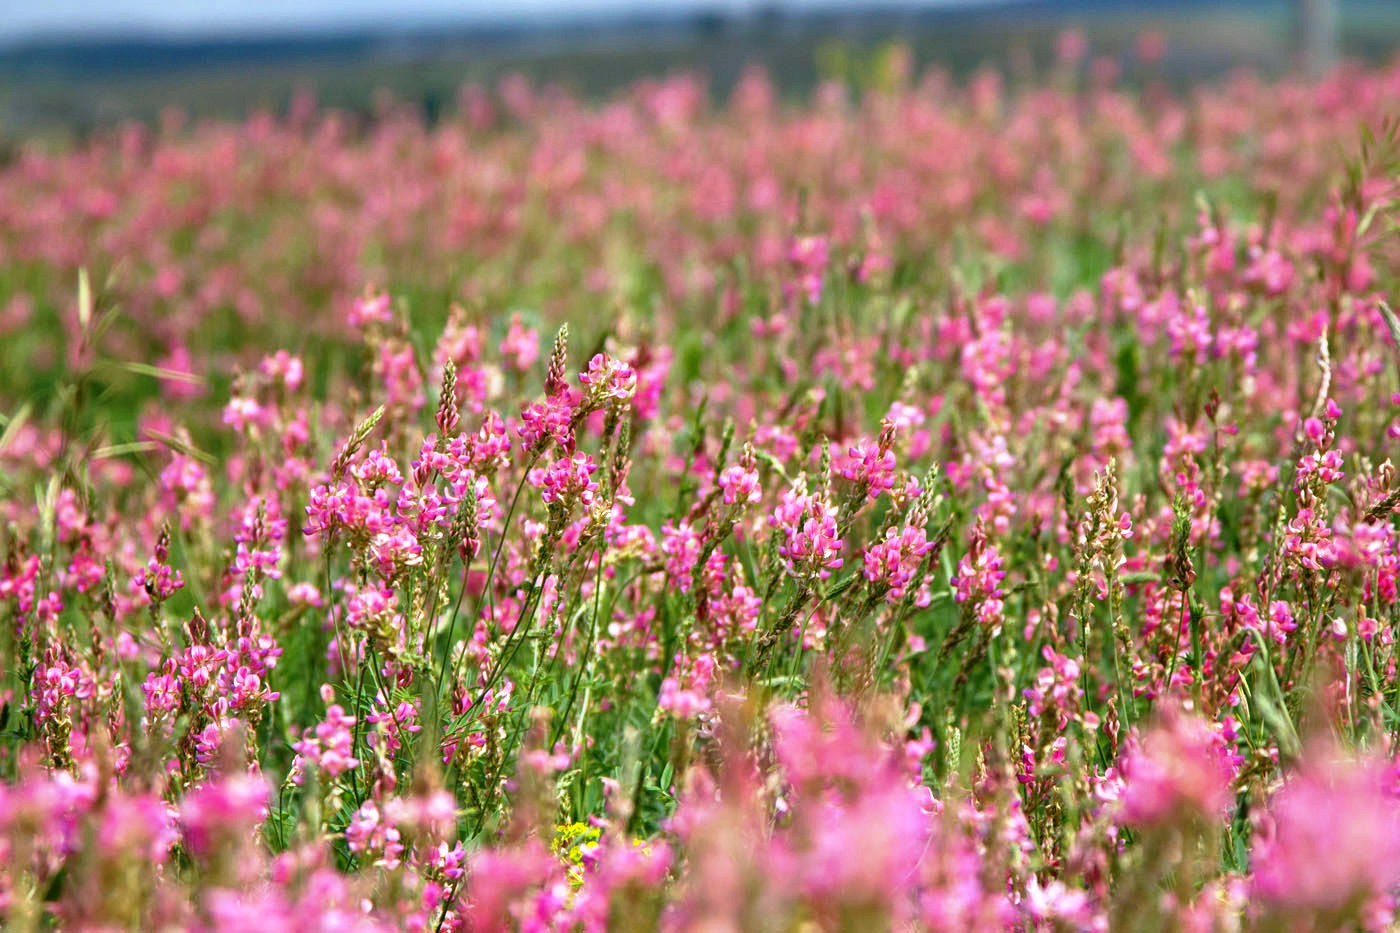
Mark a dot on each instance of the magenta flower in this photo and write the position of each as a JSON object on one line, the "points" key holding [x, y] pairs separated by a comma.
{"points": [[811, 543], [1177, 770], [1331, 842]]}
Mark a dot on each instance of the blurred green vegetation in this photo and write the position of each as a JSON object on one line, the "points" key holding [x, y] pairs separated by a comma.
{"points": [[71, 89]]}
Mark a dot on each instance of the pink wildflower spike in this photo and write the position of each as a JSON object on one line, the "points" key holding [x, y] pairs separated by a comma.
{"points": [[1178, 770], [1348, 807], [811, 543]]}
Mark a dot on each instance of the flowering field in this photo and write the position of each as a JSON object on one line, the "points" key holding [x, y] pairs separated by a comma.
{"points": [[942, 507]]}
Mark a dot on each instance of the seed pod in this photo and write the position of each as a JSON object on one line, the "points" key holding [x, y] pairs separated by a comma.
{"points": [[555, 381], [448, 414]]}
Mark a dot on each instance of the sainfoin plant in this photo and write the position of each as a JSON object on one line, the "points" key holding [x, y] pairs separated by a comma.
{"points": [[945, 507]]}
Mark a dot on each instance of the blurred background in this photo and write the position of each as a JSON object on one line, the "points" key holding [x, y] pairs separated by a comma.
{"points": [[70, 66]]}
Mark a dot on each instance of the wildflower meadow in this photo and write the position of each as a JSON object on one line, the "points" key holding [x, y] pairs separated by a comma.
{"points": [[925, 505]]}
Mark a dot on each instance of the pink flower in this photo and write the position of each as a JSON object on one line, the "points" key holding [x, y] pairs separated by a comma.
{"points": [[739, 485], [521, 345], [808, 257], [551, 419], [1332, 840], [330, 745], [895, 560], [568, 480], [871, 466], [370, 308], [1177, 770], [810, 543], [978, 580], [609, 380], [681, 544], [223, 812]]}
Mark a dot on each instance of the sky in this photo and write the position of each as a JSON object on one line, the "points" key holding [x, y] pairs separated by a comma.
{"points": [[22, 19]]}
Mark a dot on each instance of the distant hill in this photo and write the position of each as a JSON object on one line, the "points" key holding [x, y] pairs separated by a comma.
{"points": [[65, 85]]}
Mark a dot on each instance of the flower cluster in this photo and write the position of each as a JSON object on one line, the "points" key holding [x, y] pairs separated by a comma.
{"points": [[975, 509]]}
